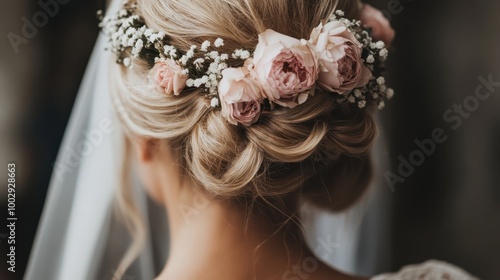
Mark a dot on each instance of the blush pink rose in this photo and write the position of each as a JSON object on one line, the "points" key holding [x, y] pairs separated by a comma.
{"points": [[240, 96], [286, 67], [339, 52], [168, 77], [378, 23]]}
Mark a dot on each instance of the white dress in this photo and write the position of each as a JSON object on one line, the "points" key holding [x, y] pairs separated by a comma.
{"points": [[430, 270]]}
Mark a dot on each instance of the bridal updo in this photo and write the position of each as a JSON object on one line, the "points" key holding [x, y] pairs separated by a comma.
{"points": [[317, 150]]}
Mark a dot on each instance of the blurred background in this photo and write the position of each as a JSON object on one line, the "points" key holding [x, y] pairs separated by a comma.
{"points": [[446, 205]]}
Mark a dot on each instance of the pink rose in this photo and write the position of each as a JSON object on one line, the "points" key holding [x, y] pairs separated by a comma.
{"points": [[168, 77], [240, 96], [378, 23], [286, 67], [341, 66]]}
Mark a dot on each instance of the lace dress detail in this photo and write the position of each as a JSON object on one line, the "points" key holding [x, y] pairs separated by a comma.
{"points": [[430, 270]]}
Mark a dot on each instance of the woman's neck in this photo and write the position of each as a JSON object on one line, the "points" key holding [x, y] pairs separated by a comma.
{"points": [[213, 239]]}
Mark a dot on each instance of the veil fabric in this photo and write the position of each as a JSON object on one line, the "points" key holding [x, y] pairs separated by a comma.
{"points": [[76, 228], [80, 238]]}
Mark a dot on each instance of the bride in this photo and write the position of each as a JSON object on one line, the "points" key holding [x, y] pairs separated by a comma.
{"points": [[235, 112]]}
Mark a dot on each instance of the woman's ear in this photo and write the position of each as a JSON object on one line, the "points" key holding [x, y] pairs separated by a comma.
{"points": [[145, 149]]}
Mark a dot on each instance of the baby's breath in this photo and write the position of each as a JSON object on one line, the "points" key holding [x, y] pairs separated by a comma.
{"points": [[130, 38]]}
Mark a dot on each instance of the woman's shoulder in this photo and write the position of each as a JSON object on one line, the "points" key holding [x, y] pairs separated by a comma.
{"points": [[429, 270]]}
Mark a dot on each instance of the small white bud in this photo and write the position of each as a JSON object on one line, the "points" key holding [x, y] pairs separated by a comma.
{"points": [[370, 59], [384, 53], [127, 62], [245, 54], [390, 93], [362, 104], [219, 43], [357, 93], [205, 46], [214, 102], [380, 80], [380, 45], [381, 105]]}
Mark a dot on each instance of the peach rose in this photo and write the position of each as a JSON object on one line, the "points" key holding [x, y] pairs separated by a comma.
{"points": [[378, 23], [286, 67], [240, 96], [168, 77], [341, 66]]}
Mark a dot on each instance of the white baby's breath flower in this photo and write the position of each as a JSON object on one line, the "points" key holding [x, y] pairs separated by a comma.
{"points": [[389, 93], [351, 99], [375, 95], [197, 83], [380, 44], [214, 55], [222, 66], [237, 54], [199, 62], [184, 60], [381, 105], [370, 59], [148, 32], [383, 88], [245, 54], [152, 38], [380, 80], [213, 67], [167, 49], [127, 62], [173, 53], [357, 93], [205, 46], [384, 53], [214, 102], [219, 43], [139, 45], [204, 79], [185, 71], [130, 42], [130, 31], [224, 56], [190, 82], [340, 13], [362, 104]]}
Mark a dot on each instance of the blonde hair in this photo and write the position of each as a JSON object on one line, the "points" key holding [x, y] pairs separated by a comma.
{"points": [[313, 150]]}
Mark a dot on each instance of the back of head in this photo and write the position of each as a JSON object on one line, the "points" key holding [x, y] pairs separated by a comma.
{"points": [[317, 148]]}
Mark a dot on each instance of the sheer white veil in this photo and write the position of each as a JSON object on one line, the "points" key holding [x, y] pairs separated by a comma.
{"points": [[79, 236]]}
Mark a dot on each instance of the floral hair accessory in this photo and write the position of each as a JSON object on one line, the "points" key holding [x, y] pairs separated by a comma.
{"points": [[168, 76], [340, 58]]}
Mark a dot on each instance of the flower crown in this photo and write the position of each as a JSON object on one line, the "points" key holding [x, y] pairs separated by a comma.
{"points": [[340, 58]]}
